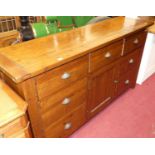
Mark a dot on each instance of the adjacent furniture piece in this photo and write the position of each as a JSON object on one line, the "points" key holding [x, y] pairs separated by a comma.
{"points": [[147, 67], [69, 77], [13, 120], [8, 38]]}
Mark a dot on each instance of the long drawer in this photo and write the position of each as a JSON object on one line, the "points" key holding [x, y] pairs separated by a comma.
{"points": [[134, 41], [61, 77], [67, 125], [59, 104], [105, 55]]}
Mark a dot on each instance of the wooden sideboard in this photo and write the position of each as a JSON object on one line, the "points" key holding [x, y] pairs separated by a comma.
{"points": [[69, 77]]}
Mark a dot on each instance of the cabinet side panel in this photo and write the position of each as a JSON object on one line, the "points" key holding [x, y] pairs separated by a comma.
{"points": [[30, 93]]}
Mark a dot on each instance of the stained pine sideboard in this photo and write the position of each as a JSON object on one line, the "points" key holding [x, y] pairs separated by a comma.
{"points": [[68, 78]]}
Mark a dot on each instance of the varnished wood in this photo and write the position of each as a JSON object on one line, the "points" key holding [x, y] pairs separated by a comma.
{"points": [[102, 88], [25, 133], [151, 29], [8, 38], [130, 61], [73, 52], [76, 118], [11, 105], [131, 44], [129, 76], [40, 55], [30, 93], [16, 87], [14, 127], [99, 59], [52, 81], [53, 107]]}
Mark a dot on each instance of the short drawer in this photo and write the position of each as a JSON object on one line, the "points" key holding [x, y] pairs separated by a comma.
{"points": [[14, 127], [134, 41], [105, 55], [62, 103], [61, 77], [130, 61], [67, 125], [127, 81]]}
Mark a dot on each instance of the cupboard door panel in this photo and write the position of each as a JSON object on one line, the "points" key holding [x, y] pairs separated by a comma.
{"points": [[102, 89]]}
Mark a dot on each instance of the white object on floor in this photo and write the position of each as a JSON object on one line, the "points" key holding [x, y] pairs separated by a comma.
{"points": [[147, 67]]}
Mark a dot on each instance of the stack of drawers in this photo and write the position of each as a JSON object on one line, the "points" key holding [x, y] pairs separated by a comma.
{"points": [[62, 95], [129, 64]]}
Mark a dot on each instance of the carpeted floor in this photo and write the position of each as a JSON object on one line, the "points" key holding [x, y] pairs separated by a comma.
{"points": [[131, 115]]}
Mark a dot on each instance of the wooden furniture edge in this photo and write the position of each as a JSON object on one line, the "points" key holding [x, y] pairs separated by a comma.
{"points": [[12, 70], [151, 29], [21, 73], [22, 105], [30, 93]]}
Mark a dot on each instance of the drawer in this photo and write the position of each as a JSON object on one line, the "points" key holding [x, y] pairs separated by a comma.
{"points": [[24, 133], [134, 41], [127, 81], [105, 55], [61, 77], [14, 127], [67, 125], [62, 103], [130, 61]]}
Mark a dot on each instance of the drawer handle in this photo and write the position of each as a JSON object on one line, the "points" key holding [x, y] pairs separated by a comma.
{"points": [[66, 101], [127, 82], [68, 126], [116, 81], [65, 76], [131, 61], [107, 55], [1, 135], [136, 41]]}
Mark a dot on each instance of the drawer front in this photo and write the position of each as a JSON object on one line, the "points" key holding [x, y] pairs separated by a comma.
{"points": [[62, 103], [134, 41], [127, 81], [67, 125], [61, 77], [105, 55], [14, 127], [24, 133], [130, 61]]}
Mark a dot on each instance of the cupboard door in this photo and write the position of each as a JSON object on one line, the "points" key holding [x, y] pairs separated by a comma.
{"points": [[102, 89]]}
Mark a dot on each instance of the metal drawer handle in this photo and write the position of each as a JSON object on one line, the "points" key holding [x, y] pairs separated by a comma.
{"points": [[1, 135], [65, 76], [127, 82], [131, 61], [136, 41], [116, 81], [66, 101], [107, 55], [68, 126]]}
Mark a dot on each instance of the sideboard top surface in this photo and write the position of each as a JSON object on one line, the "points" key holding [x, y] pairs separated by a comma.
{"points": [[28, 59]]}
